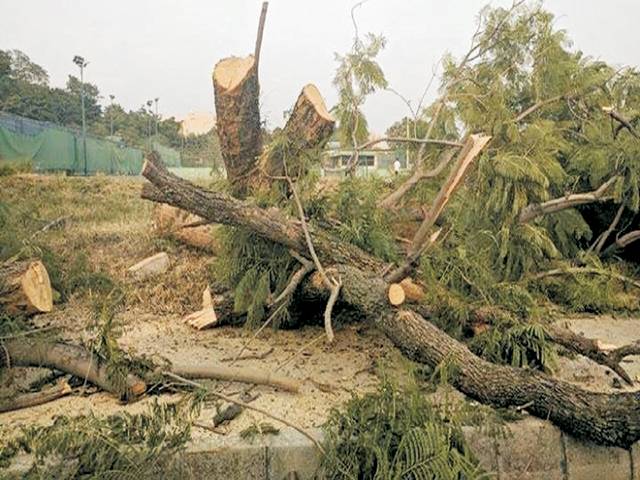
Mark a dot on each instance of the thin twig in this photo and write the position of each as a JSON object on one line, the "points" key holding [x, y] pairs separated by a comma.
{"points": [[332, 284]]}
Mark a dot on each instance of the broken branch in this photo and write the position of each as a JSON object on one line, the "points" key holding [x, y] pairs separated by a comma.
{"points": [[38, 398], [235, 374], [534, 210]]}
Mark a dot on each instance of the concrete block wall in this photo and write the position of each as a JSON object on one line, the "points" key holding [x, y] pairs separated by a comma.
{"points": [[530, 449]]}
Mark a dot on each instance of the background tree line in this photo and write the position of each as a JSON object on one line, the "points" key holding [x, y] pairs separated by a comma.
{"points": [[25, 91]]}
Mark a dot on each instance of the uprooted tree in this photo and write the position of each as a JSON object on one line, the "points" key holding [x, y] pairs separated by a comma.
{"points": [[520, 135]]}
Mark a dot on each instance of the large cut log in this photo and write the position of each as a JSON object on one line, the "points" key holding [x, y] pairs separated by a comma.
{"points": [[237, 92], [25, 288], [184, 227], [70, 359], [612, 419], [309, 126]]}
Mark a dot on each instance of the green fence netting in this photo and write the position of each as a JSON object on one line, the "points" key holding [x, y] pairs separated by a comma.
{"points": [[50, 148]]}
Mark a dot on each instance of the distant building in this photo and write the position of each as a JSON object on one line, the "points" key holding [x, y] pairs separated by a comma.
{"points": [[197, 123], [377, 160]]}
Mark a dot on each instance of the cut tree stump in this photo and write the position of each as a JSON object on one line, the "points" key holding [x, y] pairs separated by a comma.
{"points": [[237, 92], [25, 288], [309, 127], [155, 265]]}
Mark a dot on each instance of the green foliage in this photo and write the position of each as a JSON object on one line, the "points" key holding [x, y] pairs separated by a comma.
{"points": [[137, 446], [256, 269], [520, 345], [361, 221], [358, 75], [396, 433]]}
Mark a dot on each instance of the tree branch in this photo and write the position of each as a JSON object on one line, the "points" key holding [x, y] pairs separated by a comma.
{"points": [[535, 210]]}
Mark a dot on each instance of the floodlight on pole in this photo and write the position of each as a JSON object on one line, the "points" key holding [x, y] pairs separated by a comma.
{"points": [[81, 62], [111, 97], [157, 117], [150, 112]]}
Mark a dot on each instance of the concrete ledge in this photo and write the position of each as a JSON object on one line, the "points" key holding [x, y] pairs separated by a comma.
{"points": [[532, 449], [587, 461], [228, 457]]}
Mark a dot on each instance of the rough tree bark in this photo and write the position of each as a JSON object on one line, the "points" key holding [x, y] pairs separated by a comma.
{"points": [[309, 126], [25, 288], [612, 419]]}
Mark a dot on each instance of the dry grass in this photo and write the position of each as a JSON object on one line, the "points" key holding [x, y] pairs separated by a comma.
{"points": [[110, 225]]}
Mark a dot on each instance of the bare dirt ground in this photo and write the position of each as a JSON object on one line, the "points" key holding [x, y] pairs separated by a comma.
{"points": [[112, 226]]}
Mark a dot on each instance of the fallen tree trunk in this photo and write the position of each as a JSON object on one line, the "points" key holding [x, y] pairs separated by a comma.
{"points": [[27, 400], [612, 419], [71, 359], [25, 288]]}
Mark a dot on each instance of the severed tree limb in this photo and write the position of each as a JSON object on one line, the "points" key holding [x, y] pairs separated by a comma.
{"points": [[236, 374], [586, 270], [537, 106], [467, 155], [335, 291], [419, 173], [535, 210], [602, 238], [472, 148], [27, 400], [617, 354], [70, 359], [623, 242], [590, 348], [331, 284], [245, 405], [270, 224]]}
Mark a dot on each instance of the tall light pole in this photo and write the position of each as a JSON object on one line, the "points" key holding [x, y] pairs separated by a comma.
{"points": [[81, 62], [111, 97], [157, 117], [149, 103]]}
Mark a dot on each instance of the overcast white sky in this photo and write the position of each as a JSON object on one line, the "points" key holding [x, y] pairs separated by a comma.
{"points": [[143, 49]]}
